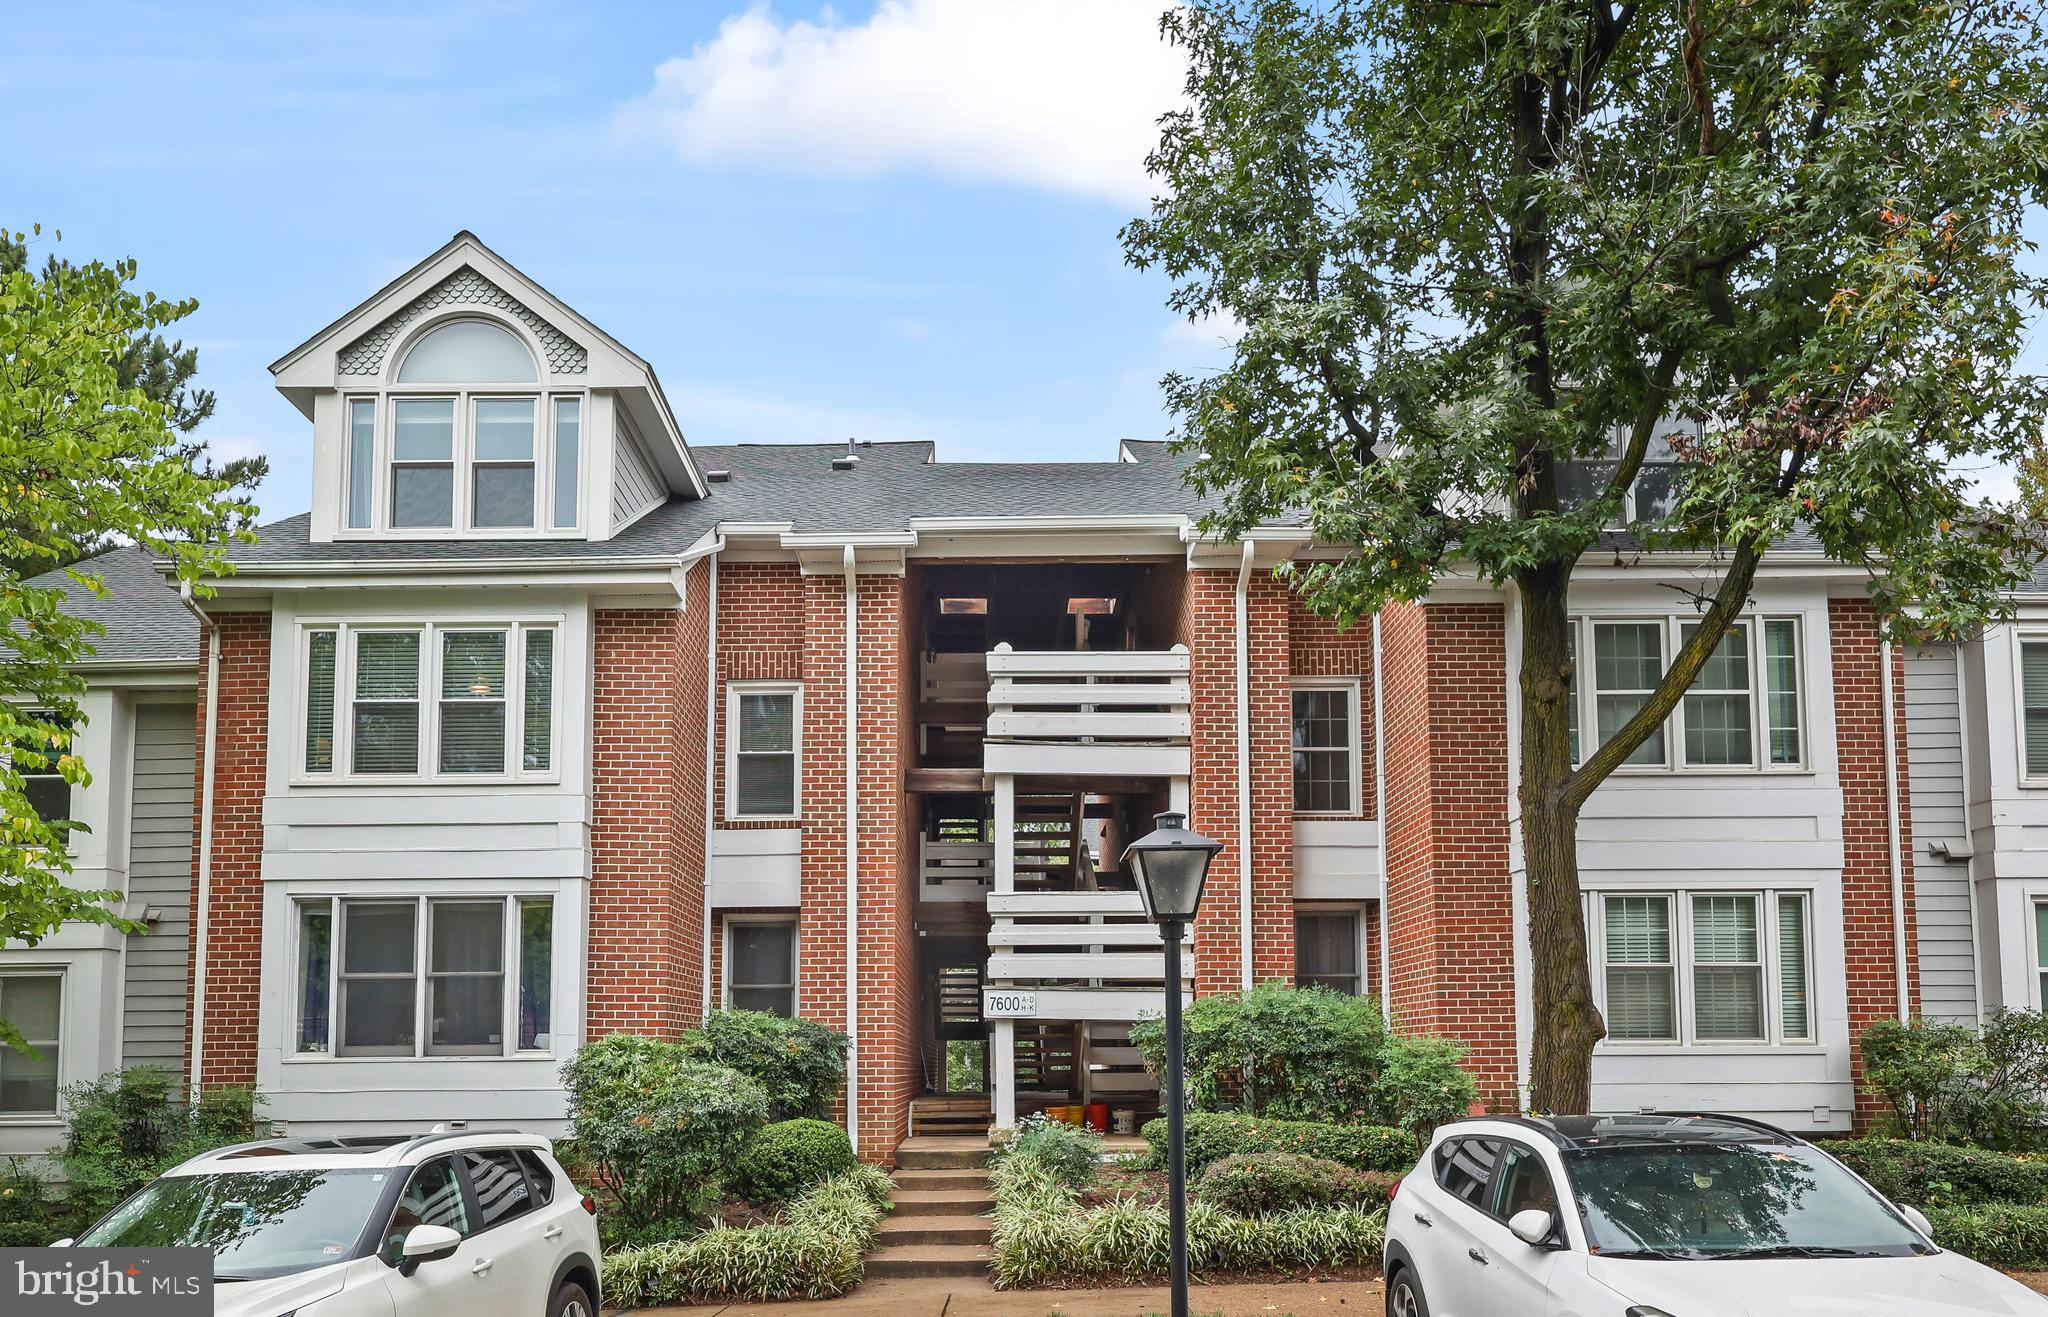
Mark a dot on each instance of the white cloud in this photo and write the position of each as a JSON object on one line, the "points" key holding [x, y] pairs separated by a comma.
{"points": [[1056, 94]]}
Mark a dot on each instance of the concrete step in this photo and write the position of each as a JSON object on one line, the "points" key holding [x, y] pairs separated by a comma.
{"points": [[942, 1153], [973, 1179], [930, 1260], [943, 1202], [935, 1230]]}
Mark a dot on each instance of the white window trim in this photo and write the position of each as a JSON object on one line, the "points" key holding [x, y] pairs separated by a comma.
{"points": [[464, 398], [430, 629], [2021, 638], [733, 691], [1357, 912], [1672, 634], [60, 971], [796, 960], [1774, 1040], [422, 947], [2035, 898], [1351, 687]]}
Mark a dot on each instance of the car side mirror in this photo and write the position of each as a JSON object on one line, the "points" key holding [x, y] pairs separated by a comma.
{"points": [[1918, 1220], [426, 1243], [1533, 1227]]}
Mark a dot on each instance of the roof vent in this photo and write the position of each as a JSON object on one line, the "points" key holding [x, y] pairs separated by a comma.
{"points": [[718, 476], [848, 462]]}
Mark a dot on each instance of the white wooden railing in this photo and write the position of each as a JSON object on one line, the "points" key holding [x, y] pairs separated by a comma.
{"points": [[1112, 712], [1095, 953], [955, 870]]}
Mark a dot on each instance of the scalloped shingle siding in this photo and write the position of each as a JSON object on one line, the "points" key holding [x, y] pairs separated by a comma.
{"points": [[465, 287]]}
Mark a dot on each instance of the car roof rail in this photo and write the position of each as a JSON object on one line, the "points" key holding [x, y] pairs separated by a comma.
{"points": [[443, 1135], [1747, 1122]]}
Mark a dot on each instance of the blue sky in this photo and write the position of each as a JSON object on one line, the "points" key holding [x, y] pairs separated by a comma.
{"points": [[893, 221], [794, 273]]}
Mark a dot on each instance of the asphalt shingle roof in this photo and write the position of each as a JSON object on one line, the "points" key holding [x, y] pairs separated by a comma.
{"points": [[144, 618]]}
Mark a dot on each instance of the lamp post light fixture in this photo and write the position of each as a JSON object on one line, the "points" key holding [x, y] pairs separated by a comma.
{"points": [[1171, 865]]}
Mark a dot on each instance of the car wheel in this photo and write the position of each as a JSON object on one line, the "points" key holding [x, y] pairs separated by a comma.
{"points": [[1404, 1295], [572, 1301]]}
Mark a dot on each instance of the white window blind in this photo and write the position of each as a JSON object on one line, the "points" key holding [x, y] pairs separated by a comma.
{"points": [[472, 701], [385, 728], [1727, 976], [2034, 698], [764, 757], [1641, 995], [1795, 1005]]}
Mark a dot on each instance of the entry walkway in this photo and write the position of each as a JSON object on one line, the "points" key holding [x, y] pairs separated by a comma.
{"points": [[956, 1297]]}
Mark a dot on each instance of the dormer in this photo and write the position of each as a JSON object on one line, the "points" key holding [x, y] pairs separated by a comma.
{"points": [[463, 401]]}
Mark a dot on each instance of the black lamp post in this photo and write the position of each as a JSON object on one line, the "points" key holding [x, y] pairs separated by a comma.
{"points": [[1171, 865]]}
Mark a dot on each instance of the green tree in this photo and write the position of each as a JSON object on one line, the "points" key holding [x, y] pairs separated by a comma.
{"points": [[164, 370], [1493, 259], [87, 454]]}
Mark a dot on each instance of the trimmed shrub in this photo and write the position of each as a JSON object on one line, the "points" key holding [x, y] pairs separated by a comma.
{"points": [[814, 1252], [1041, 1237], [1312, 1054], [1928, 1175], [1261, 1184], [789, 1157], [662, 1132], [30, 1215], [1996, 1234], [1953, 1084], [1072, 1154], [800, 1064], [1212, 1136], [128, 1126]]}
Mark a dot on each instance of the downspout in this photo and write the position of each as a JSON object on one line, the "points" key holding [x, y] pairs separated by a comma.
{"points": [[1969, 839], [1891, 811], [852, 856], [206, 769], [1244, 770], [710, 740], [1379, 792]]}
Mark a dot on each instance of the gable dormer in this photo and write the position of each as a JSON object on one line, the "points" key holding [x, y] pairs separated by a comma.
{"points": [[464, 401]]}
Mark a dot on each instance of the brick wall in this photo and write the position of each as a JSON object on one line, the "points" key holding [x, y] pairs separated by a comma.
{"points": [[1451, 929], [1869, 953], [234, 970], [1318, 647], [760, 638], [646, 951]]}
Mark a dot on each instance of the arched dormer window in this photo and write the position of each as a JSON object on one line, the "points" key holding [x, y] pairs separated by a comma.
{"points": [[468, 352], [465, 441]]}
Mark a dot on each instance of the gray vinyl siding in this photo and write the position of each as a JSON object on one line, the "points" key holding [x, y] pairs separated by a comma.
{"points": [[160, 875], [1934, 772], [636, 488]]}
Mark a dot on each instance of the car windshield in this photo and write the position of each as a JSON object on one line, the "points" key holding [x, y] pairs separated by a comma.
{"points": [[1730, 1200], [258, 1223]]}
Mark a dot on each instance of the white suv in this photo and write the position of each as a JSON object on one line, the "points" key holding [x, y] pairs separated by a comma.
{"points": [[446, 1224], [1662, 1216]]}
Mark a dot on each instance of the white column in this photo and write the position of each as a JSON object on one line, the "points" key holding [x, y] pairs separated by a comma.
{"points": [[1178, 796], [1004, 1040], [1006, 833]]}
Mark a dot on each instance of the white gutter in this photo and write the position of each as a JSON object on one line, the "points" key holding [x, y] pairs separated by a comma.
{"points": [[1969, 837], [1244, 771], [1379, 791], [206, 772], [710, 739], [1891, 810], [852, 853]]}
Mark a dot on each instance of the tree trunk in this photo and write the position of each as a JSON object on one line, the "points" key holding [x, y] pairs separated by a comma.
{"points": [[1566, 1022]]}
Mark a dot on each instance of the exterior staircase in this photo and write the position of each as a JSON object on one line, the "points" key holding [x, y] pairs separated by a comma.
{"points": [[939, 1225]]}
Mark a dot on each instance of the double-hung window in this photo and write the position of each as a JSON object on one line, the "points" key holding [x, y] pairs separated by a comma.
{"points": [[444, 701], [1743, 710], [424, 976], [1327, 951], [43, 783], [2034, 709], [1705, 967], [763, 746], [34, 1004], [1325, 744], [762, 954]]}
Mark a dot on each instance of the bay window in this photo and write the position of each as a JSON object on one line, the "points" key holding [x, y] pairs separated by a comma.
{"points": [[442, 700], [423, 976], [1704, 967], [34, 1004], [1743, 711]]}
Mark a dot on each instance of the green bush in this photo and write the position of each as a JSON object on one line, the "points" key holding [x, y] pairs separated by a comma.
{"points": [[801, 1065], [1042, 1237], [1926, 1175], [1260, 1184], [1312, 1054], [814, 1251], [789, 1157], [1996, 1234], [30, 1215], [1072, 1153], [1212, 1136], [1954, 1084], [128, 1126], [662, 1132]]}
